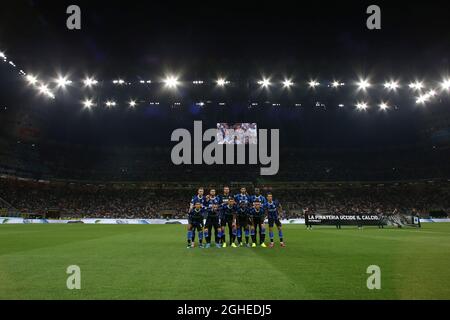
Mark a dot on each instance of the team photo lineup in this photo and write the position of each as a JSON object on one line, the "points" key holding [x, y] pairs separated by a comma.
{"points": [[244, 215]]}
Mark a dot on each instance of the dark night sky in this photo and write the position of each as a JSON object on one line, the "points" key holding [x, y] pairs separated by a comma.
{"points": [[249, 35]]}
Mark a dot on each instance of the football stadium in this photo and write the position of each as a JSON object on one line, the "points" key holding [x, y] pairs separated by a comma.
{"points": [[238, 152]]}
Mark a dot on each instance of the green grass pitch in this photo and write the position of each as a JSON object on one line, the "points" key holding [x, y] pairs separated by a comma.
{"points": [[152, 262]]}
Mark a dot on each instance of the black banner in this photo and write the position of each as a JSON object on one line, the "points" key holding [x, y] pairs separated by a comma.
{"points": [[343, 219], [226, 309]]}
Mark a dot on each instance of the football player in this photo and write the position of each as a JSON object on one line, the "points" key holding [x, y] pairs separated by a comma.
{"points": [[273, 207], [228, 217], [212, 222], [242, 224], [195, 222], [258, 216]]}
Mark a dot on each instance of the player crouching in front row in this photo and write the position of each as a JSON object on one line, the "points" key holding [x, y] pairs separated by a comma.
{"points": [[195, 221]]}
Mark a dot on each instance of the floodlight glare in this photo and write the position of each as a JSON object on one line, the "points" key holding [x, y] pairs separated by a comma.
{"points": [[335, 84], [171, 82], [391, 85], [445, 84], [361, 106], [43, 88], [383, 106], [89, 82], [62, 82], [88, 103], [132, 103], [221, 82], [110, 103], [431, 93], [422, 98], [313, 83], [425, 97], [287, 83], [31, 79], [264, 83], [363, 84], [2, 55], [416, 85]]}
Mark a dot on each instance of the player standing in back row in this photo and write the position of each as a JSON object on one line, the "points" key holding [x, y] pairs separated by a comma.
{"points": [[242, 196], [257, 218], [212, 223], [225, 196], [228, 217], [242, 224], [258, 197], [273, 209]]}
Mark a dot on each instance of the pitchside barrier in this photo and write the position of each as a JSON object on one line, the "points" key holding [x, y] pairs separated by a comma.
{"points": [[330, 219], [396, 220], [318, 220]]}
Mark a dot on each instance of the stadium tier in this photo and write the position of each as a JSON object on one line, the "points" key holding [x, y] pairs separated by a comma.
{"points": [[62, 199]]}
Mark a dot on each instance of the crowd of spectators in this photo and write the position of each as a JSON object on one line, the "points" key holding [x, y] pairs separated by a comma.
{"points": [[100, 201], [405, 199]]}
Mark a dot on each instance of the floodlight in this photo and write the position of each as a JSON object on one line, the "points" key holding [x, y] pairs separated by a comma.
{"points": [[62, 82], [422, 98], [264, 83], [335, 84], [287, 83], [171, 82], [445, 84], [416, 85], [391, 85], [89, 82], [221, 82], [110, 103], [363, 84], [88, 103], [384, 106], [31, 79], [362, 106], [313, 83]]}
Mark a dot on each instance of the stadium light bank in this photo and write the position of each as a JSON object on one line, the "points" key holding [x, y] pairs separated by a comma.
{"points": [[213, 153]]}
